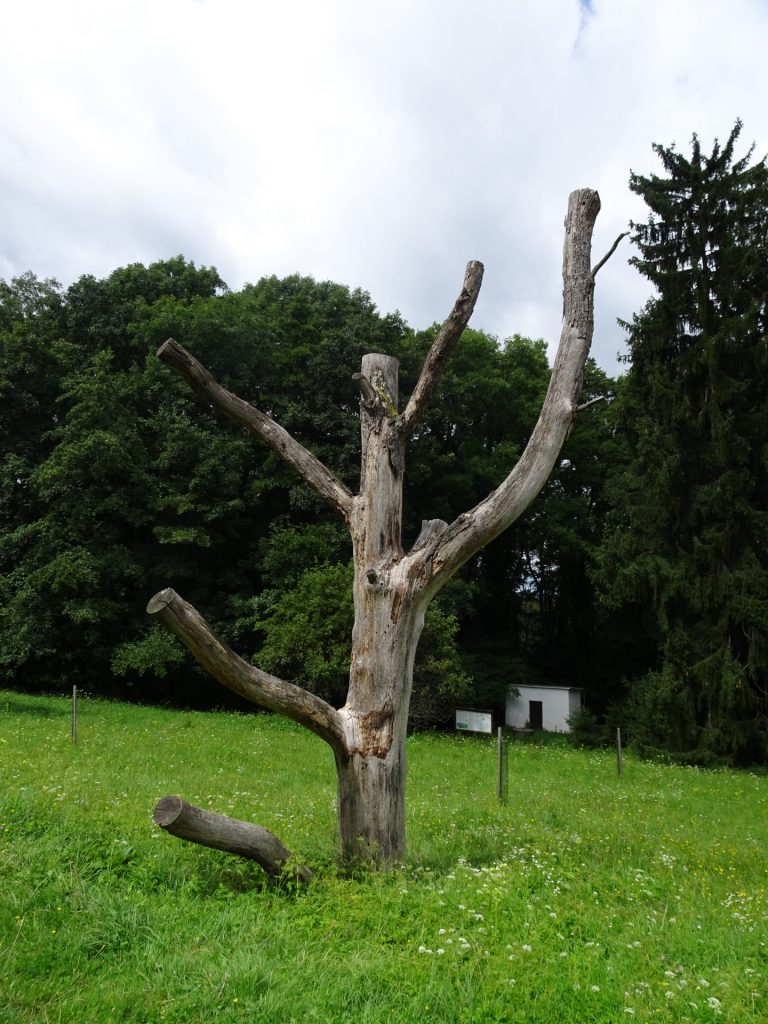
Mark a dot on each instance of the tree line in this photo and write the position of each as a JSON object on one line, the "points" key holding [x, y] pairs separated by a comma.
{"points": [[639, 573]]}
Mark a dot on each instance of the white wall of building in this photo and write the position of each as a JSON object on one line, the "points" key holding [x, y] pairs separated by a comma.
{"points": [[558, 703]]}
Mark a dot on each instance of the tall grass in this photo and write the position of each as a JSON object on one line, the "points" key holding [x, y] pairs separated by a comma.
{"points": [[587, 898]]}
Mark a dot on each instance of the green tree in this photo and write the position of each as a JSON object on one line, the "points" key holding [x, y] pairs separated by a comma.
{"points": [[525, 605], [487, 402], [33, 359], [562, 636], [83, 430], [116, 480], [688, 541]]}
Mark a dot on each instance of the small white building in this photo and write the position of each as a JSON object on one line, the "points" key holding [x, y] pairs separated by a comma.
{"points": [[543, 707]]}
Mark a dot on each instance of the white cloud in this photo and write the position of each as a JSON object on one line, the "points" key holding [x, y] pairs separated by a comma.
{"points": [[381, 145]]}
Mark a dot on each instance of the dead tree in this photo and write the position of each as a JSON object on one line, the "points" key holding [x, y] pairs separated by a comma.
{"points": [[392, 587]]}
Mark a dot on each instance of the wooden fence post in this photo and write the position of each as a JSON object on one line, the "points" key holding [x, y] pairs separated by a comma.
{"points": [[502, 784]]}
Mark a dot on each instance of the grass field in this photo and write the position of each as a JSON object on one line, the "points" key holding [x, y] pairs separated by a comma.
{"points": [[587, 898]]}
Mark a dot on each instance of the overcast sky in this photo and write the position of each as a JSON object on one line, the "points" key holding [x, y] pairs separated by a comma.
{"points": [[381, 145]]}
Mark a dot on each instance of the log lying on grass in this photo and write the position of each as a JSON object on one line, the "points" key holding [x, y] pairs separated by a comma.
{"points": [[222, 833]]}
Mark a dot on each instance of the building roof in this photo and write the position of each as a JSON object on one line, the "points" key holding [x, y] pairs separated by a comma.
{"points": [[538, 686]]}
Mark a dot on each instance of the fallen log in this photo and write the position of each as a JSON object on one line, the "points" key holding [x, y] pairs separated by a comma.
{"points": [[181, 819]]}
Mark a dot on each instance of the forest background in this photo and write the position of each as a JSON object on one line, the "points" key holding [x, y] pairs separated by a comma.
{"points": [[640, 573]]}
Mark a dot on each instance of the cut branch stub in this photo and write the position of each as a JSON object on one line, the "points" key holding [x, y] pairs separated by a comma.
{"points": [[219, 832], [430, 530]]}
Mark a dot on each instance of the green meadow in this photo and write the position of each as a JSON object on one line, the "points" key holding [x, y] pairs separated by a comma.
{"points": [[587, 897]]}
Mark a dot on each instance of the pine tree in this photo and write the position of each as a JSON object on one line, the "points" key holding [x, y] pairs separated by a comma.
{"points": [[688, 544]]}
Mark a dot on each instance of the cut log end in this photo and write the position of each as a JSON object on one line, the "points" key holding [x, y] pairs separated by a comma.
{"points": [[167, 811], [168, 343], [160, 600]]}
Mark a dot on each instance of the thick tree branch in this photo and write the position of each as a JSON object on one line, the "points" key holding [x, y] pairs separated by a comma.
{"points": [[442, 346], [207, 387], [608, 255], [243, 679], [219, 832], [473, 530]]}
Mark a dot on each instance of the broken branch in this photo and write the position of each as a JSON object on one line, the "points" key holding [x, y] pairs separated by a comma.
{"points": [[592, 401], [608, 255]]}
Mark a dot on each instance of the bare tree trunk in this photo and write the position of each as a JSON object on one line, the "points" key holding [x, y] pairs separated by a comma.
{"points": [[371, 804], [371, 768]]}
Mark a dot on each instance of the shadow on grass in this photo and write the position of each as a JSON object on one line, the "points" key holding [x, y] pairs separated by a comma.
{"points": [[17, 707], [218, 875]]}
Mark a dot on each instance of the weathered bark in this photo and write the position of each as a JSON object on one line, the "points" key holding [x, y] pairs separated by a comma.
{"points": [[371, 798], [392, 588], [371, 771], [219, 832]]}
